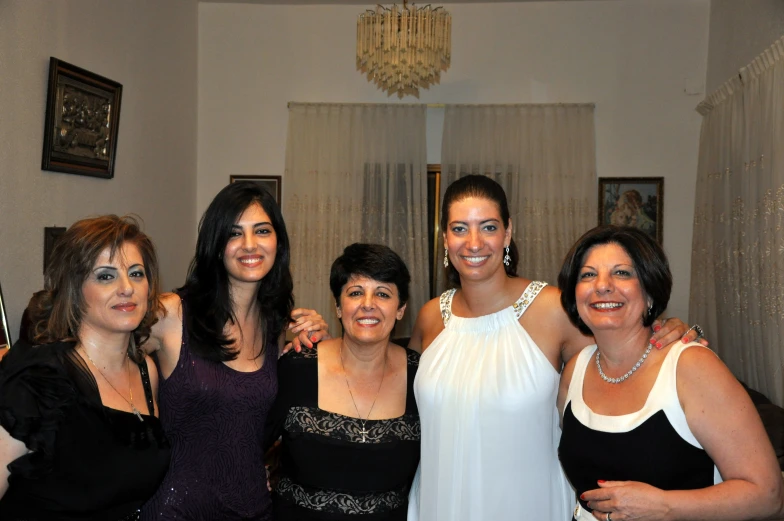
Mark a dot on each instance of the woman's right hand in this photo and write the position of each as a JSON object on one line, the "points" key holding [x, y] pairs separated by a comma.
{"points": [[310, 328], [626, 500]]}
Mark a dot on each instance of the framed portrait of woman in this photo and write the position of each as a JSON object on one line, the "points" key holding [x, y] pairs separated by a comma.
{"points": [[632, 201]]}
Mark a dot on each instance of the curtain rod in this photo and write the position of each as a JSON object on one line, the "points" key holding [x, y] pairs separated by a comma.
{"points": [[442, 105]]}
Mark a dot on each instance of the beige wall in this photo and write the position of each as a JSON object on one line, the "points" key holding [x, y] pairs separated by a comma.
{"points": [[643, 62], [739, 31], [150, 47]]}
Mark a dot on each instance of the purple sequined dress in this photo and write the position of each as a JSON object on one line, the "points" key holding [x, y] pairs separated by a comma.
{"points": [[214, 419]]}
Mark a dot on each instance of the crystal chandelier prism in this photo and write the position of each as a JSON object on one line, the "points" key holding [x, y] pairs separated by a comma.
{"points": [[404, 49]]}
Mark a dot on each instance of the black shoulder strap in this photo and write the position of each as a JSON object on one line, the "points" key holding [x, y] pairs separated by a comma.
{"points": [[147, 386]]}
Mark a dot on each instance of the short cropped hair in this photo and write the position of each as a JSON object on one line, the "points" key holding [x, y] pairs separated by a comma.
{"points": [[374, 261], [649, 260]]}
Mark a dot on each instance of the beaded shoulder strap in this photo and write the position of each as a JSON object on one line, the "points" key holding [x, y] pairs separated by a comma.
{"points": [[446, 304], [145, 374], [527, 297]]}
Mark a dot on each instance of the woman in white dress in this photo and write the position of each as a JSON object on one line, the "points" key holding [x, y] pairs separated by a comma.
{"points": [[488, 377]]}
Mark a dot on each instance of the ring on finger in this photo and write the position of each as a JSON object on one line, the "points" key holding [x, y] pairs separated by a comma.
{"points": [[698, 330], [608, 516]]}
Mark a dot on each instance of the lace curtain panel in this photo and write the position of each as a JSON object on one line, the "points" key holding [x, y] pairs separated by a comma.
{"points": [[545, 158], [355, 173], [737, 267]]}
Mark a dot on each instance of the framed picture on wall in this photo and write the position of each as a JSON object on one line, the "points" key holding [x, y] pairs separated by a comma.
{"points": [[271, 183], [82, 119], [632, 201], [51, 235]]}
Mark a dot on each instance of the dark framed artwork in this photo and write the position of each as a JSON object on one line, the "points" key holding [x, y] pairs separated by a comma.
{"points": [[82, 119], [271, 183], [51, 235], [633, 201]]}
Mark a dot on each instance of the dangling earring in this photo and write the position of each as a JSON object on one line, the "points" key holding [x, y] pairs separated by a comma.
{"points": [[650, 309], [338, 312], [446, 257], [507, 258]]}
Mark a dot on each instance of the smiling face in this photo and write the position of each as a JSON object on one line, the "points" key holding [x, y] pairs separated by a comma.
{"points": [[250, 252], [475, 238], [608, 291], [369, 309], [115, 292]]}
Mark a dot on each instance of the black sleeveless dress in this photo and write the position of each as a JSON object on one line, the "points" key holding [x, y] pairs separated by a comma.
{"points": [[334, 467], [88, 462], [653, 445]]}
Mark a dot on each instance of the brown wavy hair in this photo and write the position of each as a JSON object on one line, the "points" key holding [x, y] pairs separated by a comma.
{"points": [[56, 312]]}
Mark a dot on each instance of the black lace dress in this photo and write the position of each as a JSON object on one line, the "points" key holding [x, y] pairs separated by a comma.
{"points": [[328, 471], [87, 461]]}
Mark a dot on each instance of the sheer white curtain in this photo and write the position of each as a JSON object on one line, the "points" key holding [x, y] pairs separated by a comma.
{"points": [[545, 158], [737, 267], [355, 173]]}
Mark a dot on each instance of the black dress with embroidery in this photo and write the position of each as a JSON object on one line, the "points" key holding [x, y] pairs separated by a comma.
{"points": [[328, 472], [87, 461]]}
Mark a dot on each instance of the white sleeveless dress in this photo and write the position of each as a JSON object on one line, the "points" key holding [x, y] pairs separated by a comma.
{"points": [[486, 397]]}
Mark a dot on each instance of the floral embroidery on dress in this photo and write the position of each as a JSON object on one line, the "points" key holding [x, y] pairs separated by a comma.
{"points": [[312, 420], [334, 502]]}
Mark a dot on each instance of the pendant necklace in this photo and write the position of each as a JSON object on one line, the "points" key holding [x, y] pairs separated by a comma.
{"points": [[364, 431], [627, 375], [130, 390]]}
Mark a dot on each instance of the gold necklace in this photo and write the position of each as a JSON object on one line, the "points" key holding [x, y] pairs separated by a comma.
{"points": [[130, 389], [364, 431]]}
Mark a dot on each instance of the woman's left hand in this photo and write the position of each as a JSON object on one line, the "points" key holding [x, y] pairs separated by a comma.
{"points": [[669, 330], [626, 501], [309, 326]]}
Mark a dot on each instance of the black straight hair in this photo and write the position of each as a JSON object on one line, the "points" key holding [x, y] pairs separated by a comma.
{"points": [[206, 289]]}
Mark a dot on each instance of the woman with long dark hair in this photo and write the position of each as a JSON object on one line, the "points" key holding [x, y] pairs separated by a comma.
{"points": [[217, 346]]}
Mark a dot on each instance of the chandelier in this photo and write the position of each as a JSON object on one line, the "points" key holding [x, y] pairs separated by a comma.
{"points": [[404, 49]]}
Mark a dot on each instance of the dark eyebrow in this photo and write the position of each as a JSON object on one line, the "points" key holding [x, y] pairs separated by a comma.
{"points": [[263, 223], [492, 220]]}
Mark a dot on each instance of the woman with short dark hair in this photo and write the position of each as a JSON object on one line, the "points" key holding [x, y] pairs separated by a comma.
{"points": [[346, 411], [652, 434], [80, 437], [650, 265]]}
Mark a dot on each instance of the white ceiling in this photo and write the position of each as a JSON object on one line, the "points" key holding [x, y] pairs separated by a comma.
{"points": [[367, 2]]}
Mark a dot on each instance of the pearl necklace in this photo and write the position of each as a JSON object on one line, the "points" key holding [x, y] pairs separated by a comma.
{"points": [[627, 375]]}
